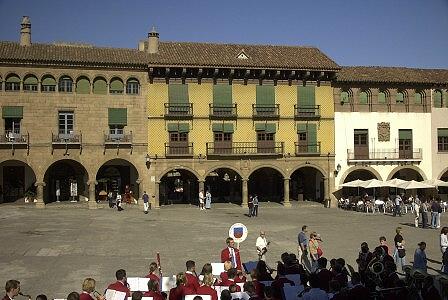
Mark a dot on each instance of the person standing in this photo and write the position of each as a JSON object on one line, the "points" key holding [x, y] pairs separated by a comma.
{"points": [[398, 201], [145, 198], [208, 200], [313, 246], [119, 202], [250, 205], [201, 200], [434, 213], [416, 206], [302, 248], [424, 211], [400, 252], [255, 206], [230, 253], [262, 246], [420, 261]]}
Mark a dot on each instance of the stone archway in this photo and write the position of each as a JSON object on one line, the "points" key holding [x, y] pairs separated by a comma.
{"points": [[225, 185], [17, 181], [178, 186], [66, 180], [407, 173], [267, 184], [118, 176], [307, 184]]}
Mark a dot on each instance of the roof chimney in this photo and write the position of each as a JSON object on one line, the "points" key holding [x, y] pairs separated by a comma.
{"points": [[25, 32], [153, 41]]}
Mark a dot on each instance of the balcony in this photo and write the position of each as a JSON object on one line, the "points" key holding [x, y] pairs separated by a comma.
{"points": [[178, 111], [385, 156], [178, 149], [66, 141], [265, 112], [118, 141], [312, 149], [306, 112], [222, 112], [245, 149], [14, 140]]}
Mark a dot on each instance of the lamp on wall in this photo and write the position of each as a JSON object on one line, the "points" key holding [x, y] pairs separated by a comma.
{"points": [[337, 170], [148, 161]]}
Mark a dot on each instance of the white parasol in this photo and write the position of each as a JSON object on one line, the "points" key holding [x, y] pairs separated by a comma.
{"points": [[410, 185]]}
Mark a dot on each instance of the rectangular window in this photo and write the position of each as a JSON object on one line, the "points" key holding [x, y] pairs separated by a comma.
{"points": [[265, 136], [116, 130], [442, 139], [48, 88], [12, 127], [12, 86], [66, 122], [30, 87], [178, 136], [132, 88], [65, 85]]}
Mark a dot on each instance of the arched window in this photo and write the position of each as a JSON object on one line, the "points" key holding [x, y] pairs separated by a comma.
{"points": [[48, 84], [132, 86], [418, 97], [437, 98], [382, 97], [100, 86], [1, 83], [363, 97], [400, 98], [83, 85], [12, 83], [65, 84], [116, 86], [30, 83], [344, 97]]}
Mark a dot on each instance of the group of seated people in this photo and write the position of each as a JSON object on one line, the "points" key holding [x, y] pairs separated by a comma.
{"points": [[377, 275]]}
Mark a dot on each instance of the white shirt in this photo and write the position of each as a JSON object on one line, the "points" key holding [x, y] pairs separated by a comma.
{"points": [[443, 242], [261, 243]]}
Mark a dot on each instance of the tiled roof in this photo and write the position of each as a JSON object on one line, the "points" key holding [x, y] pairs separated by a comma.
{"points": [[173, 54], [392, 75]]}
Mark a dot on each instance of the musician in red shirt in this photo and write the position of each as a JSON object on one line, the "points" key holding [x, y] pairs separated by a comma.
{"points": [[12, 288], [192, 279], [231, 254], [121, 285], [153, 290], [206, 287], [152, 272]]}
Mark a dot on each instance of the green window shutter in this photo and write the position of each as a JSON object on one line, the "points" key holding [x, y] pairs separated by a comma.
{"points": [[13, 79], [118, 116], [271, 128], [260, 127], [400, 98], [405, 134], [217, 127], [265, 95], [12, 112], [116, 85], [344, 97], [444, 98], [418, 98], [100, 86], [173, 127], [301, 128], [306, 96], [437, 95], [48, 81], [83, 86], [184, 127], [178, 93], [442, 132], [228, 128], [222, 95], [382, 98], [312, 138], [363, 98], [30, 80]]}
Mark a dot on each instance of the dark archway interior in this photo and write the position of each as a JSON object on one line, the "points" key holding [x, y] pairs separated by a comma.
{"points": [[267, 184], [443, 189], [360, 174], [225, 186], [307, 184], [114, 176], [67, 176], [179, 186], [17, 181], [408, 174]]}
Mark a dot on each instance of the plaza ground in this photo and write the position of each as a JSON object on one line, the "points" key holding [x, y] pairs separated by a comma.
{"points": [[52, 250]]}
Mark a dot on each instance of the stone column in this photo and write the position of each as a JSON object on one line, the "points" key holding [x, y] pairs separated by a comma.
{"points": [[245, 192], [201, 185], [156, 196], [286, 202], [92, 199], [40, 194], [140, 192]]}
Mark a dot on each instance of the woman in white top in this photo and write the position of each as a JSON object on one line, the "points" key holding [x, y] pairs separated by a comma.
{"points": [[444, 239]]}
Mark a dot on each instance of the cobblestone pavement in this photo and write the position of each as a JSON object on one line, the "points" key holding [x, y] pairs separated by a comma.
{"points": [[52, 250]]}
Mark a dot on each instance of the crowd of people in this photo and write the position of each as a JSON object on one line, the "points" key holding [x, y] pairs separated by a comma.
{"points": [[376, 277]]}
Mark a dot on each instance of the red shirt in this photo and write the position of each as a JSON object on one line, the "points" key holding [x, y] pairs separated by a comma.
{"points": [[153, 277], [192, 281], [154, 295], [85, 296], [206, 290], [119, 286]]}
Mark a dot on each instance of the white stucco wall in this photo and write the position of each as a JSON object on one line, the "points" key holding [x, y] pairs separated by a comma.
{"points": [[347, 122], [439, 119]]}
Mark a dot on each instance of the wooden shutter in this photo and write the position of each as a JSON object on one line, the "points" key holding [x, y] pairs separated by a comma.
{"points": [[118, 116], [12, 112], [306, 96], [265, 95], [178, 93], [83, 86], [100, 86], [312, 138], [222, 95]]}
